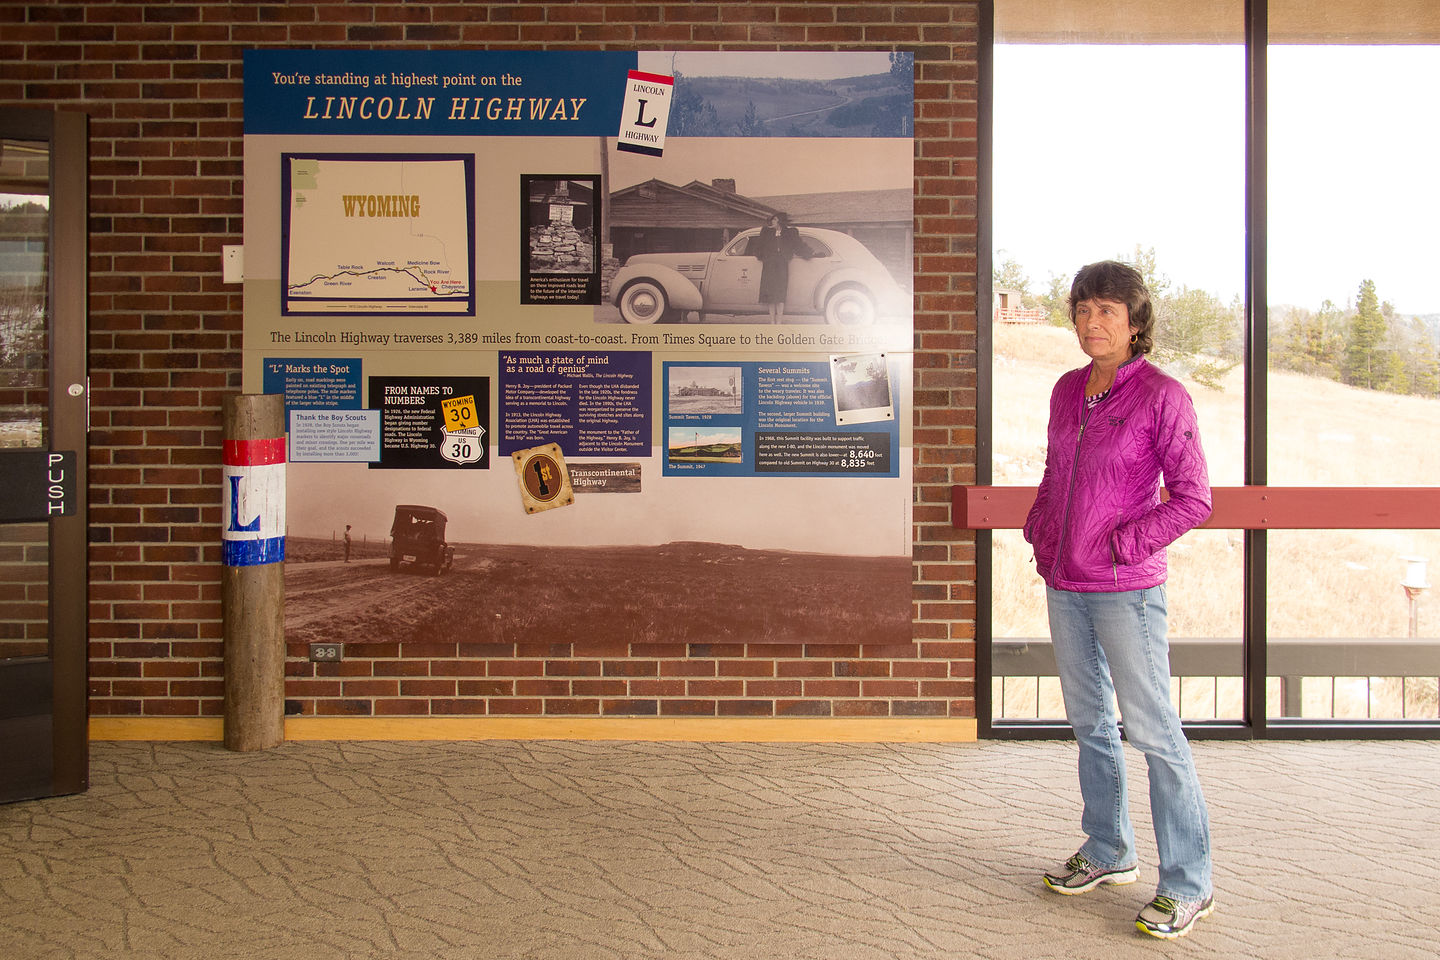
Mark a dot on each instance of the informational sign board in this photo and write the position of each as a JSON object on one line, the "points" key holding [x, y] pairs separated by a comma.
{"points": [[681, 277]]}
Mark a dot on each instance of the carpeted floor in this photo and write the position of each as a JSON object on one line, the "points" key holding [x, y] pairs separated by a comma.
{"points": [[586, 850]]}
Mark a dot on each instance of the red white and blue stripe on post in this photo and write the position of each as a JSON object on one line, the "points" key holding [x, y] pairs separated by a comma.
{"points": [[254, 520]]}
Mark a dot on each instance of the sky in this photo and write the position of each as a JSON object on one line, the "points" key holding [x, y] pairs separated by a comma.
{"points": [[1098, 148], [767, 167], [772, 167]]}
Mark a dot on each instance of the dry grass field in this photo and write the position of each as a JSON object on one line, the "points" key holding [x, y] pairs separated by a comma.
{"points": [[1322, 583]]}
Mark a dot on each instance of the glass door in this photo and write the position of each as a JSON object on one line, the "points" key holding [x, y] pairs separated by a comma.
{"points": [[43, 413]]}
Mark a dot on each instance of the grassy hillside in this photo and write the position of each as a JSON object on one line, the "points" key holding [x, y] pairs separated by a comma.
{"points": [[1322, 583]]}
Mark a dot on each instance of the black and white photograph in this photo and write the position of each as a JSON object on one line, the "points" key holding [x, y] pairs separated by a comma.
{"points": [[862, 388], [707, 389], [778, 200], [559, 221], [705, 560], [736, 230]]}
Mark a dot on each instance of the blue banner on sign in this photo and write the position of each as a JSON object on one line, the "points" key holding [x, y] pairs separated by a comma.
{"points": [[314, 383], [435, 93], [250, 553], [591, 404], [777, 418]]}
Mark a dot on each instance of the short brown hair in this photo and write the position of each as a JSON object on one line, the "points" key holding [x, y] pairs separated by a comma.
{"points": [[1113, 280]]}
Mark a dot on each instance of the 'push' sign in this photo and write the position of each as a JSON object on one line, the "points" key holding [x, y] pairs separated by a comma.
{"points": [[38, 485]]}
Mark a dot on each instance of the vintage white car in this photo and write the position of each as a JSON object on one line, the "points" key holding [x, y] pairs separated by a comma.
{"points": [[840, 280]]}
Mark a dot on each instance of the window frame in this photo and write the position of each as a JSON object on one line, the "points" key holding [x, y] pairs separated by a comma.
{"points": [[1255, 723]]}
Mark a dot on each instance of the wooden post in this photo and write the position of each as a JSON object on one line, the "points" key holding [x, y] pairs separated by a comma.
{"points": [[253, 579]]}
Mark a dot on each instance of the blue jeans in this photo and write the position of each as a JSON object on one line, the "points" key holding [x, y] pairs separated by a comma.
{"points": [[1114, 643]]}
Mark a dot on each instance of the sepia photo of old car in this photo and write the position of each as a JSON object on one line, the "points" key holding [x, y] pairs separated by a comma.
{"points": [[417, 536], [835, 277]]}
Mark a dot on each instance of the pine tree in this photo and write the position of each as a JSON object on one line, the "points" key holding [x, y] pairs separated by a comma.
{"points": [[1365, 364], [691, 115], [1143, 259], [1426, 381], [1196, 330], [750, 125]]}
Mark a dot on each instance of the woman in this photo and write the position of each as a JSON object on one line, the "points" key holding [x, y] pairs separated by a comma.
{"points": [[1099, 528], [776, 243]]}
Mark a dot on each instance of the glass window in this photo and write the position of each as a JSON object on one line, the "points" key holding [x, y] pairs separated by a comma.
{"points": [[24, 326], [24, 384], [1353, 386], [1354, 379], [1135, 152], [1353, 622], [1119, 133], [814, 248], [741, 247]]}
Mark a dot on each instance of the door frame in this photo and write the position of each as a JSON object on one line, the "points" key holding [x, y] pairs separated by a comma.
{"points": [[67, 291]]}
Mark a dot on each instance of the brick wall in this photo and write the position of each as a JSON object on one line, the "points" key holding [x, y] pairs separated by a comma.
{"points": [[24, 563], [162, 85]]}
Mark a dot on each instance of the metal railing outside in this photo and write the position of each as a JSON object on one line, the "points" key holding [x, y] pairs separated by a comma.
{"points": [[1406, 671]]}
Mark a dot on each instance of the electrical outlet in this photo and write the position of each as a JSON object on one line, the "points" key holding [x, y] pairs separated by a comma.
{"points": [[327, 652]]}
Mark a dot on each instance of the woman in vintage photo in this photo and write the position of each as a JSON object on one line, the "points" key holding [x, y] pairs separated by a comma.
{"points": [[1100, 528], [775, 245]]}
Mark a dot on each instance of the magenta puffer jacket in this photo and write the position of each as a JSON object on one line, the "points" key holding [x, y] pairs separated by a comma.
{"points": [[1098, 524]]}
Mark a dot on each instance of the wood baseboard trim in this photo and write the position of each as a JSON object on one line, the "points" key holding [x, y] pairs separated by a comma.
{"points": [[692, 729], [157, 728]]}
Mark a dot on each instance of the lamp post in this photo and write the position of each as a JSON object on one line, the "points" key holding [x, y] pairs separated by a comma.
{"points": [[1414, 584]]}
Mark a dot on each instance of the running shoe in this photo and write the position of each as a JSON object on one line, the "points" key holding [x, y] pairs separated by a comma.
{"points": [[1079, 875], [1167, 919]]}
